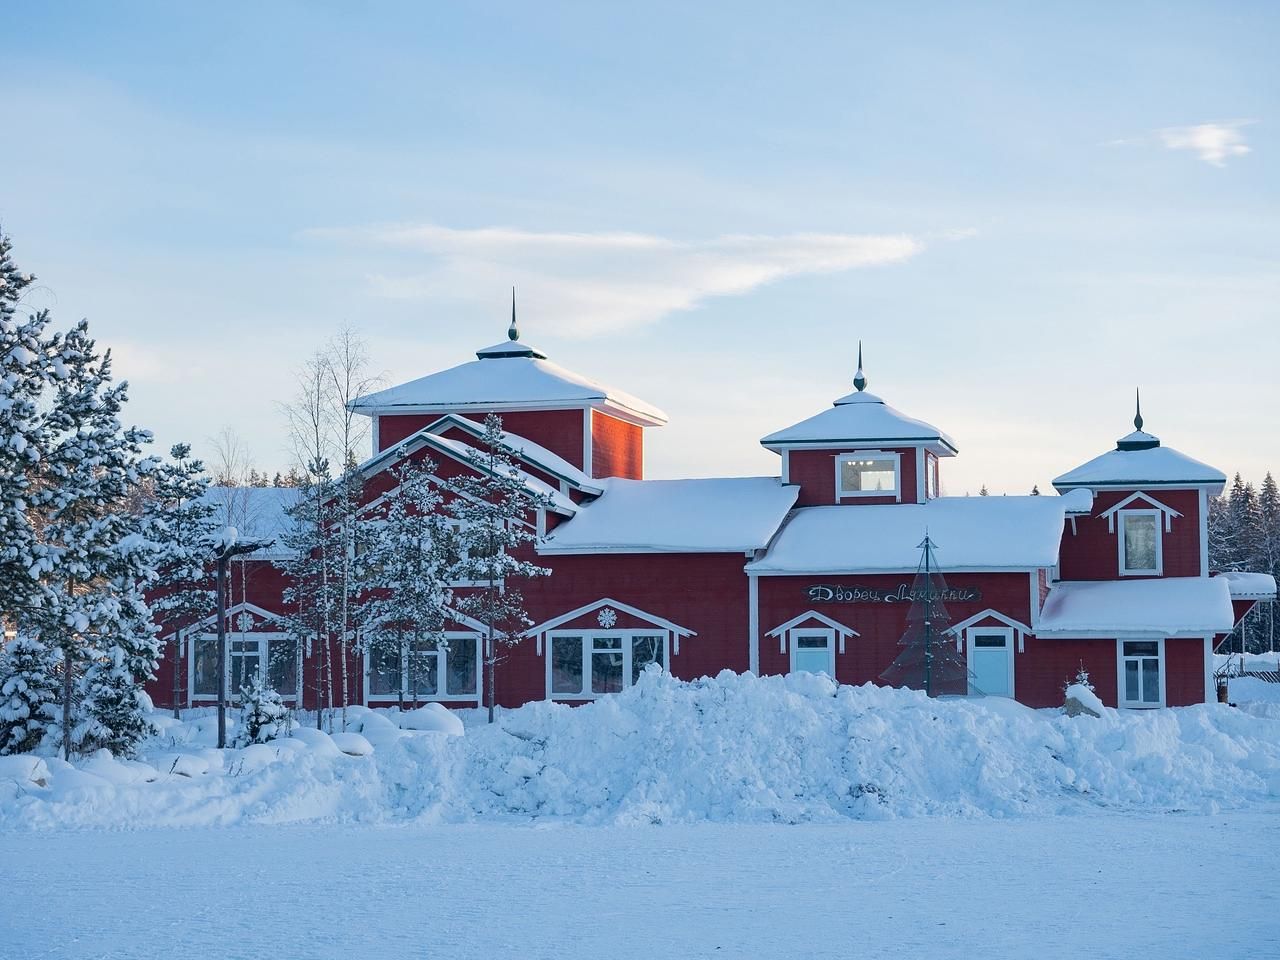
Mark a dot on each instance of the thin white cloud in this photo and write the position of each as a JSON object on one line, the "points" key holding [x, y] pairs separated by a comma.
{"points": [[593, 283], [1213, 143]]}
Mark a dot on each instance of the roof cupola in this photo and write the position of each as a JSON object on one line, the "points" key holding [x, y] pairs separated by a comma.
{"points": [[512, 347], [1139, 439]]}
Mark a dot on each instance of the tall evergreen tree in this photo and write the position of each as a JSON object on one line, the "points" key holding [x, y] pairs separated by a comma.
{"points": [[405, 573], [496, 511], [95, 555], [184, 525], [26, 372]]}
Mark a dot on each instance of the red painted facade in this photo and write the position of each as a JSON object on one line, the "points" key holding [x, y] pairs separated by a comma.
{"points": [[617, 447], [879, 624], [814, 472], [1091, 552], [719, 618]]}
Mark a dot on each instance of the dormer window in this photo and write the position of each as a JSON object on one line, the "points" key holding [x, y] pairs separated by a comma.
{"points": [[1140, 546], [867, 474]]}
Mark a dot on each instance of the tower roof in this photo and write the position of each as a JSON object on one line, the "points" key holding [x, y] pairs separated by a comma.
{"points": [[861, 418], [1139, 460], [508, 376]]}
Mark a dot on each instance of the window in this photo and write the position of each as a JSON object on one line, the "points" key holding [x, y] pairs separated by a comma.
{"points": [[930, 477], [478, 551], [1140, 677], [1140, 544], [428, 672], [813, 651], [867, 475], [589, 664], [247, 655]]}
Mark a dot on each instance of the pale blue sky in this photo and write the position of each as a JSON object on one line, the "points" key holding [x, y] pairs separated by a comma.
{"points": [[1023, 212]]}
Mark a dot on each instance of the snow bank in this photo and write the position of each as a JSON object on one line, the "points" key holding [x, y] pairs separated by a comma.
{"points": [[731, 749]]}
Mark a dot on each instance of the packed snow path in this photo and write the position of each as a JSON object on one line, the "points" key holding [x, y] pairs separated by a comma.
{"points": [[1106, 885]]}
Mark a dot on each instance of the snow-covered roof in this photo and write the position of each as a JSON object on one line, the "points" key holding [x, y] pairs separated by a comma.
{"points": [[971, 533], [256, 513], [515, 445], [1250, 586], [720, 515], [1149, 467], [473, 457], [861, 418], [500, 380], [1166, 607]]}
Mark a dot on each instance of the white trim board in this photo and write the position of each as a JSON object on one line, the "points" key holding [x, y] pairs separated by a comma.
{"points": [[540, 630], [1020, 629], [1168, 512]]}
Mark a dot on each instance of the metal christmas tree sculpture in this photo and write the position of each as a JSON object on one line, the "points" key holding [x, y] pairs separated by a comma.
{"points": [[930, 660]]}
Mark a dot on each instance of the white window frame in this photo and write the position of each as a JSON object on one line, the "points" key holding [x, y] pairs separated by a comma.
{"points": [[233, 696], [1156, 517], [795, 633], [971, 635], [588, 635], [500, 583], [442, 672], [843, 458], [1124, 703]]}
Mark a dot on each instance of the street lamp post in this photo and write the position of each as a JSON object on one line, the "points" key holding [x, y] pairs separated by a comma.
{"points": [[227, 549]]}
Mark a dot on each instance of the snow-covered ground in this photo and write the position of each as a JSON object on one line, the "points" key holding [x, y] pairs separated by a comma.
{"points": [[1100, 886], [730, 749], [728, 817]]}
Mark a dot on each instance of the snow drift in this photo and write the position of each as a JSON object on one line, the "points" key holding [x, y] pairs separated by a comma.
{"points": [[730, 748]]}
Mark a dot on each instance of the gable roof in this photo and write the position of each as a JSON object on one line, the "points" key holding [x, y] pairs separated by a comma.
{"points": [[514, 444], [861, 418], [506, 381], [718, 515], [971, 533]]}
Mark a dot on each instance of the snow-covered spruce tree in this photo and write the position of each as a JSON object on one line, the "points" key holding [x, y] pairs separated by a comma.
{"points": [[27, 689], [116, 705], [183, 523], [405, 570], [26, 371], [94, 559], [496, 510], [263, 715]]}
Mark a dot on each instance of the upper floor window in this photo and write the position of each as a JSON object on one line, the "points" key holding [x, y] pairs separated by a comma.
{"points": [[1140, 546], [867, 475]]}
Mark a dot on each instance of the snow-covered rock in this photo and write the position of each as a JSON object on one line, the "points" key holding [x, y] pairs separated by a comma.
{"points": [[1080, 699]]}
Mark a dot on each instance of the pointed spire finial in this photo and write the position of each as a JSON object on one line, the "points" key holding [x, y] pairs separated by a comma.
{"points": [[513, 332], [1137, 402], [859, 379]]}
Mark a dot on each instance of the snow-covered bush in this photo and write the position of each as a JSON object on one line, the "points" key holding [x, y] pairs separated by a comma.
{"points": [[28, 685], [263, 715], [1081, 680]]}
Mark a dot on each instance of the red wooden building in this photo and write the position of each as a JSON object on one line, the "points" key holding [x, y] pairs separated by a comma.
{"points": [[807, 570]]}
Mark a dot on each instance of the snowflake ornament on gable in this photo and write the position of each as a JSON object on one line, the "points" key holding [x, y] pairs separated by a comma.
{"points": [[607, 618]]}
